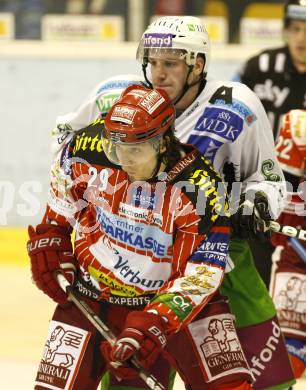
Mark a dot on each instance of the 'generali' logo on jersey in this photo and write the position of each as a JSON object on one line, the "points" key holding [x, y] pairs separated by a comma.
{"points": [[178, 168], [221, 347], [157, 40], [152, 101], [62, 356], [123, 114]]}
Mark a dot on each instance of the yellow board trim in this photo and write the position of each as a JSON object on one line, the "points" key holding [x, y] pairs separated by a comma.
{"points": [[264, 11], [13, 242]]}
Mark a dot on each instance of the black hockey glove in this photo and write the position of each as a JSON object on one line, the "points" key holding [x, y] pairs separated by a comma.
{"points": [[251, 220]]}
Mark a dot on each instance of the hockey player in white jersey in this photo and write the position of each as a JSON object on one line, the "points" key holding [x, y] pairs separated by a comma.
{"points": [[227, 123]]}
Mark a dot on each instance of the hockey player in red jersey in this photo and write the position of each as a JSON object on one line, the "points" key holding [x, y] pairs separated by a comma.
{"points": [[288, 281], [152, 231], [221, 119]]}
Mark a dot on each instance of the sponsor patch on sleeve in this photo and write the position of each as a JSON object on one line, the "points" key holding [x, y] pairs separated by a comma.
{"points": [[115, 84], [205, 145], [213, 250], [65, 161], [240, 108], [222, 124]]}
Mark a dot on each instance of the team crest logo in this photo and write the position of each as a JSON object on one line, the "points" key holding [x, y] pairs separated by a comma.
{"points": [[222, 338], [289, 297], [62, 356], [217, 343], [221, 347]]}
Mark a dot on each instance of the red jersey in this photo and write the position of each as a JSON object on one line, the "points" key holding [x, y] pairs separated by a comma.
{"points": [[167, 237], [291, 143], [291, 153]]}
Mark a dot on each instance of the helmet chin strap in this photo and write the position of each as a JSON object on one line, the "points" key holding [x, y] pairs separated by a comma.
{"points": [[185, 87], [144, 71]]}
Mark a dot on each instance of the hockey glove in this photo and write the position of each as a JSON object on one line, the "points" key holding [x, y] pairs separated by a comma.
{"points": [[142, 336], [50, 251], [251, 220]]}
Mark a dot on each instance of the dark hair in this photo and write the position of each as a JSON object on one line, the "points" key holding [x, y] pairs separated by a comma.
{"points": [[173, 152]]}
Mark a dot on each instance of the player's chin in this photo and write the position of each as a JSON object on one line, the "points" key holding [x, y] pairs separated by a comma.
{"points": [[169, 90], [134, 176]]}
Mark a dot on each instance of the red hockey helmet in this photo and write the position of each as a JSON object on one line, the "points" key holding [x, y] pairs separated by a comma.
{"points": [[140, 115]]}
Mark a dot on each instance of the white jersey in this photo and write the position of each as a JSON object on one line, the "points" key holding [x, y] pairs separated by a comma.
{"points": [[97, 104], [226, 122]]}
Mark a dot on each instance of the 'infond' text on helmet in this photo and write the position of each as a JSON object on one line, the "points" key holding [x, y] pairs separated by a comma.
{"points": [[140, 115], [295, 10], [185, 35]]}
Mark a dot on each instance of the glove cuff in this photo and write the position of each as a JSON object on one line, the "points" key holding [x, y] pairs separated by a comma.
{"points": [[43, 228], [151, 325]]}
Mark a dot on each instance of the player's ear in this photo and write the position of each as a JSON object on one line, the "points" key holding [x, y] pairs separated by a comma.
{"points": [[199, 65]]}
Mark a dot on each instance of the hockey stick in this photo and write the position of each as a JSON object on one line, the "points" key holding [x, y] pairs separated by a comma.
{"points": [[287, 230], [298, 248], [150, 380]]}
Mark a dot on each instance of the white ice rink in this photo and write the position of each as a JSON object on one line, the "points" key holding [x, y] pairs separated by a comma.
{"points": [[23, 326]]}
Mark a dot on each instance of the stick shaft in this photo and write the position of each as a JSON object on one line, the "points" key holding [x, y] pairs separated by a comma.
{"points": [[287, 230], [93, 318], [150, 380]]}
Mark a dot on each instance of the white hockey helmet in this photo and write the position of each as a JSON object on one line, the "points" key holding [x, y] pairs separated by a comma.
{"points": [[295, 10], [185, 35]]}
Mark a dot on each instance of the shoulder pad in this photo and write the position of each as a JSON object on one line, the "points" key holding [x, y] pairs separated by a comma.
{"points": [[208, 194], [87, 144]]}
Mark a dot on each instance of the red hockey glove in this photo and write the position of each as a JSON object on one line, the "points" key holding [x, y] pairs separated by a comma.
{"points": [[142, 336], [50, 251]]}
